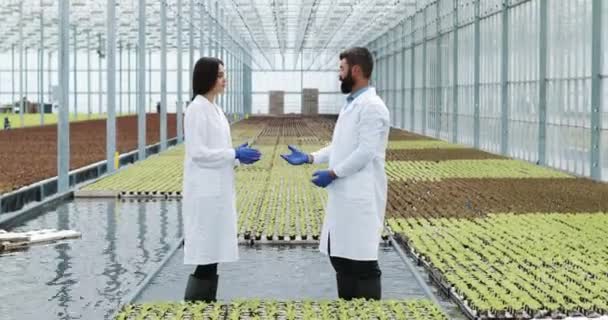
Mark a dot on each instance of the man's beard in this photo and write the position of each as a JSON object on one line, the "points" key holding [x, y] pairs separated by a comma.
{"points": [[347, 83]]}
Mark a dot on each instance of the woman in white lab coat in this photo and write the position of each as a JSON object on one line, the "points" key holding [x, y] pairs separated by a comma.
{"points": [[209, 206]]}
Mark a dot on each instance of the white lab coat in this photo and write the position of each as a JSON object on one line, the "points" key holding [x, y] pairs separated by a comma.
{"points": [[209, 202], [354, 215]]}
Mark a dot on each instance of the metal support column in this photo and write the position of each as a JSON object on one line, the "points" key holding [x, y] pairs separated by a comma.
{"points": [[180, 103], [504, 117], [75, 73], [476, 112], [150, 101], [393, 73], [542, 86], [439, 84], [455, 76], [26, 72], [99, 78], [220, 25], [214, 28], [191, 47], [49, 75], [413, 75], [89, 96], [201, 24], [163, 76], [13, 77], [41, 67], [120, 82], [129, 93], [596, 80], [21, 102], [424, 71], [141, 81], [40, 93], [111, 85], [403, 73], [232, 76], [63, 127], [208, 25]]}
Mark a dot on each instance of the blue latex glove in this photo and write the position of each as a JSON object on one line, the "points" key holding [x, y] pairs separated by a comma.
{"points": [[296, 157], [247, 155], [323, 178]]}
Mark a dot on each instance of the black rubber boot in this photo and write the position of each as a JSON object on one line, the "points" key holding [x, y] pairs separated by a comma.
{"points": [[346, 286], [369, 288], [201, 289]]}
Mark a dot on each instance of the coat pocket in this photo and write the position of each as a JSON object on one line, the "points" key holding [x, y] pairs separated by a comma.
{"points": [[206, 183]]}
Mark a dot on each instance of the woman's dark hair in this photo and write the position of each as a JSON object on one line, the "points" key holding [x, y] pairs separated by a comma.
{"points": [[359, 56], [205, 75]]}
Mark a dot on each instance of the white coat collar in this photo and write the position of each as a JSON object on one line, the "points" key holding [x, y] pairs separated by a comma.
{"points": [[348, 107], [201, 99]]}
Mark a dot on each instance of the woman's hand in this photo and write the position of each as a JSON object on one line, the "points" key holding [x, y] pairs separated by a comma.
{"points": [[247, 155]]}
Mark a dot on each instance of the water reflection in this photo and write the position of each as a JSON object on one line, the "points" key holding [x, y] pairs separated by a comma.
{"points": [[87, 278], [63, 279], [141, 239]]}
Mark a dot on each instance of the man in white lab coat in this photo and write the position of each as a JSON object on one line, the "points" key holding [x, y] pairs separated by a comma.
{"points": [[356, 182]]}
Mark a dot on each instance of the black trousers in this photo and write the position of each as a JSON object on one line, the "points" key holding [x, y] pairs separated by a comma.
{"points": [[205, 271], [354, 268]]}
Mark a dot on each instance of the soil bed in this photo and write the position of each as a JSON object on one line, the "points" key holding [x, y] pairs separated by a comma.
{"points": [[29, 155], [438, 154], [477, 197]]}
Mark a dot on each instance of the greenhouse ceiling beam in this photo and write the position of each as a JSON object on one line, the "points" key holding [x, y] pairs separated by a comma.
{"points": [[369, 30], [278, 21], [306, 10], [323, 24], [251, 34], [193, 25]]}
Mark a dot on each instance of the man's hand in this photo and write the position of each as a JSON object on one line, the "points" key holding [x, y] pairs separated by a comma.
{"points": [[296, 157], [323, 178]]}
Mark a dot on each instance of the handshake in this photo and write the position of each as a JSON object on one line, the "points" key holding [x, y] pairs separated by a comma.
{"points": [[321, 178]]}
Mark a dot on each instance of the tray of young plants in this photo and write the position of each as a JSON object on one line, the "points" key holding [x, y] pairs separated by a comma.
{"points": [[286, 310], [520, 266]]}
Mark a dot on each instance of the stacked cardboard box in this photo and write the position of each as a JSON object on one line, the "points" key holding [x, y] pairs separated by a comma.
{"points": [[277, 102], [310, 101]]}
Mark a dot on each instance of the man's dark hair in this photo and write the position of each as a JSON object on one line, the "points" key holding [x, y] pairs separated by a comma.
{"points": [[361, 57], [205, 75]]}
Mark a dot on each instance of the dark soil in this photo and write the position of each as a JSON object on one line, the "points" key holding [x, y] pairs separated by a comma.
{"points": [[478, 197], [29, 155], [438, 154], [398, 134]]}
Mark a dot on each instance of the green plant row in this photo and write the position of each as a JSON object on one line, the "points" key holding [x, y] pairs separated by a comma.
{"points": [[33, 119], [274, 199], [286, 310], [490, 168], [159, 173], [534, 264]]}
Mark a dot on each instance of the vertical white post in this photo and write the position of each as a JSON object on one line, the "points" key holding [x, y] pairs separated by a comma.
{"points": [[141, 82], [63, 127], [111, 85]]}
